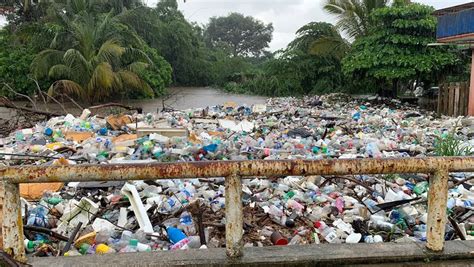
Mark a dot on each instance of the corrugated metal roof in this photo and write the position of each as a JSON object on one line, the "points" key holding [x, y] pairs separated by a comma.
{"points": [[454, 9]]}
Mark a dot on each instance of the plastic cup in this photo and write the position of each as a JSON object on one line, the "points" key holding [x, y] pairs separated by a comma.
{"points": [[278, 240]]}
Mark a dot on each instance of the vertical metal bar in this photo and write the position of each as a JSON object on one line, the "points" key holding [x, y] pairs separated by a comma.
{"points": [[12, 228], [1, 213], [437, 198], [234, 216]]}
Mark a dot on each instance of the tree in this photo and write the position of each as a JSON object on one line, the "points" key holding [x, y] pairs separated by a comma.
{"points": [[92, 62], [396, 49], [353, 16], [321, 39], [239, 35], [296, 70], [15, 60]]}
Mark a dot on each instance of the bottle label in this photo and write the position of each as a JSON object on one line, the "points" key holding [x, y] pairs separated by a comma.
{"points": [[180, 244]]}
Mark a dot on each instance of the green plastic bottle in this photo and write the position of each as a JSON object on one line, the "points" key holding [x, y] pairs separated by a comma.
{"points": [[421, 187]]}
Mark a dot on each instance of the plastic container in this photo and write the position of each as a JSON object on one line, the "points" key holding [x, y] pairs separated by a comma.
{"points": [[278, 240], [325, 231], [175, 235]]}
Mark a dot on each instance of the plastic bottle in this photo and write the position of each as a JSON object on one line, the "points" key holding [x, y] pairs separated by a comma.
{"points": [[37, 217], [372, 150], [420, 187], [131, 247], [177, 237], [31, 246], [86, 249], [327, 232]]}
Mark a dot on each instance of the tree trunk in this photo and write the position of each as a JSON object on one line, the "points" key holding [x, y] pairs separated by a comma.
{"points": [[393, 93]]}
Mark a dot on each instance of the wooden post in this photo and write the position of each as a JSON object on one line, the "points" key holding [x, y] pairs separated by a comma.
{"points": [[440, 100], [457, 88], [446, 100], [470, 111]]}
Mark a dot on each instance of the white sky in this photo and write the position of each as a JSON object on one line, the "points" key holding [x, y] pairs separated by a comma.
{"points": [[287, 16]]}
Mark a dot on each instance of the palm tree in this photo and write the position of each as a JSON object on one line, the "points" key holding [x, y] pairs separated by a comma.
{"points": [[353, 16], [88, 60], [320, 38]]}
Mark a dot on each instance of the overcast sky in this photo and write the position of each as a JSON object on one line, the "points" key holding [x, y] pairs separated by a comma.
{"points": [[287, 16]]}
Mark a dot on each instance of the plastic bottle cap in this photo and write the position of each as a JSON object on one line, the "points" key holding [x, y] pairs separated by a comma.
{"points": [[133, 242], [317, 224], [48, 131]]}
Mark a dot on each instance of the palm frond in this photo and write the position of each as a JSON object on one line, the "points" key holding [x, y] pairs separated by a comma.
{"points": [[66, 87], [109, 51], [102, 77], [60, 71], [44, 60], [137, 67]]}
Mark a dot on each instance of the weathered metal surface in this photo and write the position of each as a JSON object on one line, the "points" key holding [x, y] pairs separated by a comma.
{"points": [[455, 24], [12, 224], [437, 199], [12, 227], [233, 216], [122, 172], [1, 213]]}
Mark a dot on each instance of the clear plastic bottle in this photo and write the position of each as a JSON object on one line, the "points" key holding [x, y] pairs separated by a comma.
{"points": [[326, 232], [131, 247]]}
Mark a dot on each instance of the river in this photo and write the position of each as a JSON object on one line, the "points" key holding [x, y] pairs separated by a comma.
{"points": [[177, 98]]}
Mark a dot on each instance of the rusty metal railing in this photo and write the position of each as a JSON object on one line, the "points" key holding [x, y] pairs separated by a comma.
{"points": [[233, 171]]}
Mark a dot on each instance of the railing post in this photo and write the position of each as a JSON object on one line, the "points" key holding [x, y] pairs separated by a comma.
{"points": [[233, 215], [437, 199], [12, 228]]}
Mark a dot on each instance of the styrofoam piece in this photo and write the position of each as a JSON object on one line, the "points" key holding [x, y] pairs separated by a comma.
{"points": [[101, 225], [140, 213], [122, 220], [80, 212]]}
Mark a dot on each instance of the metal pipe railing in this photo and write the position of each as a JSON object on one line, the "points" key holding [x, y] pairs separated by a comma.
{"points": [[232, 171]]}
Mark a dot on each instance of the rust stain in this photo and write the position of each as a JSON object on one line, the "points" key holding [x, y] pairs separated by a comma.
{"points": [[117, 172]]}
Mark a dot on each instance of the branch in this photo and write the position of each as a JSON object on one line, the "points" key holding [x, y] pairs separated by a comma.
{"points": [[16, 93], [40, 93], [328, 179], [5, 102], [74, 102], [57, 102], [138, 109]]}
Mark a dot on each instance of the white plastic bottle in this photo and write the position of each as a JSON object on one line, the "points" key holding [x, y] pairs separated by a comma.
{"points": [[327, 232]]}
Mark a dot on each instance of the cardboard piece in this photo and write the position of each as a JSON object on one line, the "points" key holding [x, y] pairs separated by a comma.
{"points": [[168, 132], [118, 121], [36, 191], [78, 136]]}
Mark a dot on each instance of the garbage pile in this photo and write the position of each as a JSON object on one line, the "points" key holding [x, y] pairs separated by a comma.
{"points": [[109, 217]]}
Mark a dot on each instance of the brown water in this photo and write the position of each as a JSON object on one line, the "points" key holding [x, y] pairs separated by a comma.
{"points": [[178, 98], [194, 97]]}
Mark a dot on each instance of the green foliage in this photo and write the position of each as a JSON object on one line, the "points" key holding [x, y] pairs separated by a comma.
{"points": [[165, 29], [91, 61], [84, 48], [238, 35], [353, 16], [450, 145], [15, 60], [297, 70], [396, 49]]}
